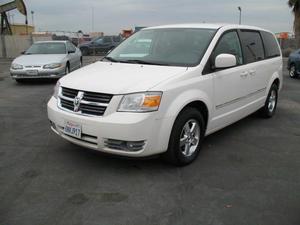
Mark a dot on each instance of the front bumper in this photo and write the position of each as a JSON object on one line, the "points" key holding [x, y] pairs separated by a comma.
{"points": [[37, 73], [132, 127]]}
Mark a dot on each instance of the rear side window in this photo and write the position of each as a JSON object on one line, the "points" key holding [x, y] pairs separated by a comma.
{"points": [[271, 46], [252, 46]]}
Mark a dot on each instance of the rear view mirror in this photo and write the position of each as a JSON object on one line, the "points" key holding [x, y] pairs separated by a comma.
{"points": [[225, 61]]}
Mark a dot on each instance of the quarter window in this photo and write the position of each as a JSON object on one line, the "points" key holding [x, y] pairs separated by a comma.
{"points": [[271, 46], [252, 46], [230, 44]]}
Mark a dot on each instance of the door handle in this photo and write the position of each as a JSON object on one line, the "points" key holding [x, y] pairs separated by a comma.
{"points": [[252, 72], [244, 74]]}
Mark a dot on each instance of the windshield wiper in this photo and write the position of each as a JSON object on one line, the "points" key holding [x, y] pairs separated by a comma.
{"points": [[110, 59], [138, 61]]}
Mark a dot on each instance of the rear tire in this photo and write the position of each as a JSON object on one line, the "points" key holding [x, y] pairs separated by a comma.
{"points": [[186, 137], [269, 109]]}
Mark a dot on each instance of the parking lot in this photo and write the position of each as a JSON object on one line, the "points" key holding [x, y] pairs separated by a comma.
{"points": [[246, 174]]}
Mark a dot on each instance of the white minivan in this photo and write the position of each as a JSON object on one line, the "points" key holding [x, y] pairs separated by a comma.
{"points": [[165, 88]]}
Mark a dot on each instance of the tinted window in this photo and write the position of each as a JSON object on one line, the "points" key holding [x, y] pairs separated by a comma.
{"points": [[229, 44], [271, 46], [252, 46], [99, 41], [106, 40], [117, 38]]}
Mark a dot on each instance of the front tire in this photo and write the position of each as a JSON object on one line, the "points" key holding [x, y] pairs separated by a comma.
{"points": [[67, 70], [186, 138], [293, 71], [269, 109]]}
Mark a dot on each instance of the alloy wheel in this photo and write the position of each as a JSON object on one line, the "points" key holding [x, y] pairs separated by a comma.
{"points": [[189, 137]]}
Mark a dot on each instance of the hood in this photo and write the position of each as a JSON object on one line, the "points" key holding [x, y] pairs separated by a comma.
{"points": [[119, 78], [39, 60]]}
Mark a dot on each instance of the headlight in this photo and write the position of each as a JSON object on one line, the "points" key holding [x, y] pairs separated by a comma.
{"points": [[140, 102], [52, 66], [15, 66], [56, 90]]}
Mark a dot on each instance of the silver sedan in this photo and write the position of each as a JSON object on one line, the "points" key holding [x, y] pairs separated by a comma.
{"points": [[46, 59]]}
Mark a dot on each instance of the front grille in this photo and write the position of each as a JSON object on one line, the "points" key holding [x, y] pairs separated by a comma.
{"points": [[90, 103], [97, 97], [70, 93]]}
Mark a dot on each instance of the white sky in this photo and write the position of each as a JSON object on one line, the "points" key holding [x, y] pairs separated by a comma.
{"points": [[111, 16]]}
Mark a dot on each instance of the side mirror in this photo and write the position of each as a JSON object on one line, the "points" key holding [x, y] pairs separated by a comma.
{"points": [[22, 53], [225, 61]]}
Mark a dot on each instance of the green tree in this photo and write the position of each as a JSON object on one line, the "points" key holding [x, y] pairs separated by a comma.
{"points": [[295, 6]]}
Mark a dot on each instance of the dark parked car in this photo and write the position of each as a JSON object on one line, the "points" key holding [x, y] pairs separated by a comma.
{"points": [[294, 64], [100, 45]]}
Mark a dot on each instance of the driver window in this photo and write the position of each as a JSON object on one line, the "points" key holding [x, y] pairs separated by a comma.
{"points": [[106, 40], [230, 44]]}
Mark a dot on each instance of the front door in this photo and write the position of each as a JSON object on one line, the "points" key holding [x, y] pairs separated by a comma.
{"points": [[230, 84]]}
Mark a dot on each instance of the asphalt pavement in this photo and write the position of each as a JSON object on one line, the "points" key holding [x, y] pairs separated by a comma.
{"points": [[246, 174]]}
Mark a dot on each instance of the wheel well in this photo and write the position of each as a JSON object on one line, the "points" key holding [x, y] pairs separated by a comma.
{"points": [[201, 106], [277, 82]]}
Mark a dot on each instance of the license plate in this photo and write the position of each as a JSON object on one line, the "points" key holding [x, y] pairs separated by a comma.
{"points": [[72, 129], [32, 72]]}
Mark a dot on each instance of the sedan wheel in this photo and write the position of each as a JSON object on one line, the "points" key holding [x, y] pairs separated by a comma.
{"points": [[292, 72], [67, 71]]}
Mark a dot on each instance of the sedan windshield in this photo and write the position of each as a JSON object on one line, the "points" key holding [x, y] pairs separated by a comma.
{"points": [[47, 48], [172, 47]]}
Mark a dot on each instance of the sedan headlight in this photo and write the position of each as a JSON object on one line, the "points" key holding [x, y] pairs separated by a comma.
{"points": [[15, 66], [56, 90], [140, 102], [52, 66]]}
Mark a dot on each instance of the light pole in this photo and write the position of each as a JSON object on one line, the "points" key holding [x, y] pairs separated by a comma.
{"points": [[32, 18], [240, 9]]}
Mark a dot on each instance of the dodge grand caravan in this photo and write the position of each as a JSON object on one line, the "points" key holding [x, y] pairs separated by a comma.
{"points": [[165, 88]]}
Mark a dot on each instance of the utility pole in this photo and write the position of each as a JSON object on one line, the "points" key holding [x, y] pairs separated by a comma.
{"points": [[92, 18], [240, 9], [32, 17]]}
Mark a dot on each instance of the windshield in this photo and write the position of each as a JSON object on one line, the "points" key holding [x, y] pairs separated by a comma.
{"points": [[173, 47], [47, 48]]}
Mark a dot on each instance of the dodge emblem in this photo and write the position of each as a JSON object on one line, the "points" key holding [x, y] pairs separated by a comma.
{"points": [[77, 101]]}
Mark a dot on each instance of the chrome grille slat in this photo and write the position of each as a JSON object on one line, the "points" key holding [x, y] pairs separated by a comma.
{"points": [[97, 97], [91, 103]]}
